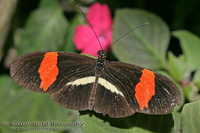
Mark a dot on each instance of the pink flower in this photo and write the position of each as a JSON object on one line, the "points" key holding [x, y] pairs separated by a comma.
{"points": [[101, 21]]}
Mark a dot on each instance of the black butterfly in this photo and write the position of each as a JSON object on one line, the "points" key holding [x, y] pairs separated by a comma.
{"points": [[79, 82]]}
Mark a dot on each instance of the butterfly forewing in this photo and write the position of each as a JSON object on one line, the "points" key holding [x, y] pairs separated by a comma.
{"points": [[126, 77], [73, 96], [109, 97], [24, 71]]}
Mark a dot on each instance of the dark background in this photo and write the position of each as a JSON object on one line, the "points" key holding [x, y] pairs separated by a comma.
{"points": [[178, 14]]}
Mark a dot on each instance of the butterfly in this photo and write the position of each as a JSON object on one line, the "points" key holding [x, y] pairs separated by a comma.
{"points": [[79, 82]]}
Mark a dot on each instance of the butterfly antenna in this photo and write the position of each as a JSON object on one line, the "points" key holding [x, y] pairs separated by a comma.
{"points": [[126, 34], [90, 25]]}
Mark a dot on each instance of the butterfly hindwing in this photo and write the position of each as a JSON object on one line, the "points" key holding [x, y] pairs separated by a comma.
{"points": [[110, 100]]}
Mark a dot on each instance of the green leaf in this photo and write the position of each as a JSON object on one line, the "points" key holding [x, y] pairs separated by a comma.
{"points": [[69, 45], [191, 92], [177, 67], [21, 105], [145, 46], [197, 77], [89, 56], [48, 4], [7, 15], [177, 121], [136, 123], [45, 30], [190, 45], [191, 117]]}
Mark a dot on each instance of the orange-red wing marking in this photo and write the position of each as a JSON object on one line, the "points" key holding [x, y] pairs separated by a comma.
{"points": [[48, 70], [145, 89]]}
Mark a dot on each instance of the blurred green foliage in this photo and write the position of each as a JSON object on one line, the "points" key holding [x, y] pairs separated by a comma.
{"points": [[167, 45]]}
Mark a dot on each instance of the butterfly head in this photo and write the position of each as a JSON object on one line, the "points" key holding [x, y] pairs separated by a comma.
{"points": [[102, 54]]}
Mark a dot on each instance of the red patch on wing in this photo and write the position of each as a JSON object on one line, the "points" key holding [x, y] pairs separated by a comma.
{"points": [[48, 70], [145, 89]]}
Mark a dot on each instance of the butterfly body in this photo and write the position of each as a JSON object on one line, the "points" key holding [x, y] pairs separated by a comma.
{"points": [[79, 82]]}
